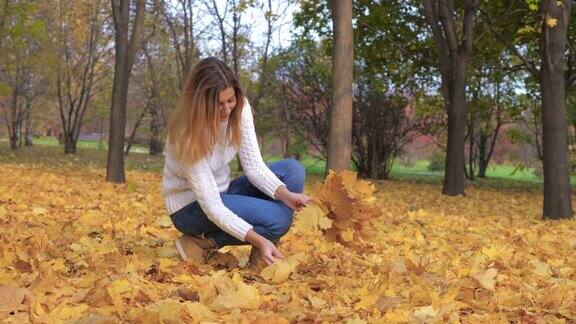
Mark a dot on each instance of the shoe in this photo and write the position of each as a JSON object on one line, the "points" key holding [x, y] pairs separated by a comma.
{"points": [[197, 247], [255, 257]]}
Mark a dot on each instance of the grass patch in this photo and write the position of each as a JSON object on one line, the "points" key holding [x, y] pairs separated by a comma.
{"points": [[47, 152], [82, 144], [54, 157]]}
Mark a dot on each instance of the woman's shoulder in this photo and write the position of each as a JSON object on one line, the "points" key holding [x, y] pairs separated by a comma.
{"points": [[246, 109]]}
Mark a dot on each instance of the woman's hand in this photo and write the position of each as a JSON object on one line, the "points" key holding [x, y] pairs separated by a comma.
{"points": [[268, 251], [293, 200]]}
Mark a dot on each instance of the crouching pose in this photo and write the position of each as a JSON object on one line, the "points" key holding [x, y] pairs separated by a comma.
{"points": [[212, 124]]}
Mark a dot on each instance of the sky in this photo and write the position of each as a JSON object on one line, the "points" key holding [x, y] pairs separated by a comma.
{"points": [[254, 17]]}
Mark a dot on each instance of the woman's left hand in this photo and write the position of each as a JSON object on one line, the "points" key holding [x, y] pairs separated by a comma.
{"points": [[293, 200]]}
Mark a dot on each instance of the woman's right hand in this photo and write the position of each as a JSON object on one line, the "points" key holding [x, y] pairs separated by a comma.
{"points": [[269, 252]]}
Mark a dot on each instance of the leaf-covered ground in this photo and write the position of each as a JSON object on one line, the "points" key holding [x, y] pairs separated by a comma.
{"points": [[75, 248]]}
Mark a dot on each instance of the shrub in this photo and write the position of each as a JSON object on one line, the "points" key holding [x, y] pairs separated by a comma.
{"points": [[437, 161]]}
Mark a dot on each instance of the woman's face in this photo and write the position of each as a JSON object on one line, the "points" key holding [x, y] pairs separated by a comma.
{"points": [[226, 103]]}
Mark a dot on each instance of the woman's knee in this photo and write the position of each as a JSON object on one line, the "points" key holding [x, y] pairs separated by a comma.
{"points": [[281, 226], [297, 174]]}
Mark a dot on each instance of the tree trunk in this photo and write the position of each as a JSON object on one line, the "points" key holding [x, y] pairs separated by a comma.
{"points": [[14, 124], [28, 133], [483, 159], [126, 49], [236, 17], [155, 145], [454, 179], [263, 76], [70, 144], [101, 138], [14, 138], [557, 189], [339, 150], [472, 146], [155, 104], [454, 56], [133, 133]]}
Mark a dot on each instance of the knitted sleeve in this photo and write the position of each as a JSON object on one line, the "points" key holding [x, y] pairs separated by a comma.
{"points": [[205, 189], [249, 153]]}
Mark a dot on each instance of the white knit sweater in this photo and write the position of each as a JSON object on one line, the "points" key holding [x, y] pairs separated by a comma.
{"points": [[206, 179]]}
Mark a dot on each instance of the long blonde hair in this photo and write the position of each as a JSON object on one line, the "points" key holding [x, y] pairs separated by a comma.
{"points": [[193, 129]]}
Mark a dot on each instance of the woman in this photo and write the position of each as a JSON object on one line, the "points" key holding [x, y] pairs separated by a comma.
{"points": [[214, 122]]}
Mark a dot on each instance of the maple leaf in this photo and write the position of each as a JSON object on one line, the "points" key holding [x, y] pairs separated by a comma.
{"points": [[551, 22], [110, 249], [119, 289], [280, 270], [312, 218], [350, 204], [367, 299], [13, 299], [425, 313], [234, 293], [486, 278]]}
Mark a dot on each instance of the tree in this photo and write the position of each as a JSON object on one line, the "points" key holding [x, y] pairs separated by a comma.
{"points": [[82, 44], [557, 189], [21, 66], [340, 120], [454, 57], [554, 77], [394, 56], [220, 17], [301, 96], [493, 104], [4, 14], [126, 47], [384, 122], [263, 85], [180, 22]]}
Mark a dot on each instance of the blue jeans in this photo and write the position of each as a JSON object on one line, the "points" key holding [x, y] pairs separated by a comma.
{"points": [[269, 217]]}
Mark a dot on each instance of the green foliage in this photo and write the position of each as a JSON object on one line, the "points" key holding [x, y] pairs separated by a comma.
{"points": [[390, 40], [437, 161], [299, 146]]}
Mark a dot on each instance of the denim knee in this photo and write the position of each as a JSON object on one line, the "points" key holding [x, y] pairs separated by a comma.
{"points": [[281, 225], [297, 173]]}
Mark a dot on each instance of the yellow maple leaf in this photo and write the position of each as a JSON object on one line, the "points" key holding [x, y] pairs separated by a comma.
{"points": [[277, 272], [398, 315], [541, 269], [349, 203], [64, 312], [164, 222], [118, 289], [355, 320], [198, 311], [551, 22], [280, 271], [486, 278], [316, 302], [161, 311], [234, 293], [183, 278], [312, 217], [492, 253], [367, 299], [425, 313], [347, 234], [39, 210]]}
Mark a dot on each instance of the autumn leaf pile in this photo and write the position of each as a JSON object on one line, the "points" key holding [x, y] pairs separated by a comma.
{"points": [[77, 249]]}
